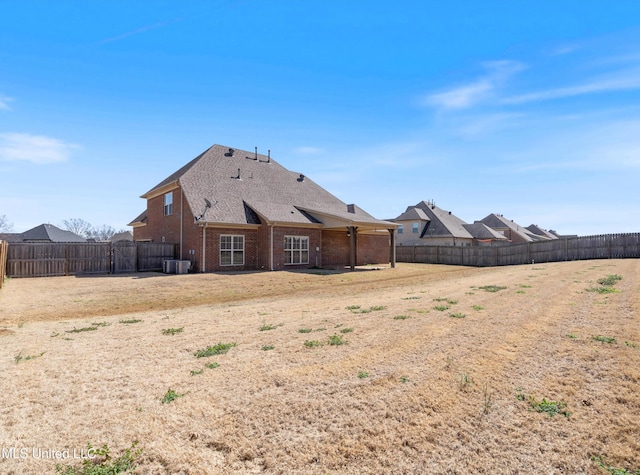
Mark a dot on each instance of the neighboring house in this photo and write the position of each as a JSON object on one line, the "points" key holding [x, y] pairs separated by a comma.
{"points": [[236, 210], [49, 233], [514, 232], [123, 236], [425, 224]]}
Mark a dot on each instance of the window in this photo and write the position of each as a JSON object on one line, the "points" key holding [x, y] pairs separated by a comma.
{"points": [[296, 250], [231, 250], [400, 229], [168, 203], [415, 228]]}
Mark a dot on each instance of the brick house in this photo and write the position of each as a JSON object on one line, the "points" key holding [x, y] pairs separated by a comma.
{"points": [[236, 210], [425, 224]]}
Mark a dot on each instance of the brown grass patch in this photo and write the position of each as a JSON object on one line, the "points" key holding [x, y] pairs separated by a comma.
{"points": [[441, 394]]}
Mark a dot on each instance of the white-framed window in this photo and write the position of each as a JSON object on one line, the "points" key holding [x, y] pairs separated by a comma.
{"points": [[296, 249], [415, 228], [168, 203], [231, 250]]}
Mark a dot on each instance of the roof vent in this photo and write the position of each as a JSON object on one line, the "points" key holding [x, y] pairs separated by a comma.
{"points": [[268, 156], [301, 178], [255, 157], [229, 153], [238, 176], [351, 208], [449, 212]]}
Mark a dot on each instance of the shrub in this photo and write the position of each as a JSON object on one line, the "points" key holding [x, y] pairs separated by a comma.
{"points": [[311, 343], [172, 331]]}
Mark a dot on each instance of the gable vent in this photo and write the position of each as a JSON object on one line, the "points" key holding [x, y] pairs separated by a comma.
{"points": [[351, 209]]}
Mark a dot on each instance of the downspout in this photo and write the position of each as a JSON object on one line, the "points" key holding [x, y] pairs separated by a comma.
{"points": [[181, 222], [204, 247], [392, 232], [271, 248], [352, 247]]}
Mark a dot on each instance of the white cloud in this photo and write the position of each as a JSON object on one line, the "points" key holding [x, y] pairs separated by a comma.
{"points": [[470, 94], [4, 102], [626, 80], [308, 150], [34, 148]]}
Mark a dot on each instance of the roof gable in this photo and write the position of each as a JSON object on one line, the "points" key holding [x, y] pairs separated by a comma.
{"points": [[442, 223]]}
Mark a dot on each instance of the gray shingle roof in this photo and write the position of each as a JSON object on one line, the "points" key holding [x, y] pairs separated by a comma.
{"points": [[482, 231], [441, 223], [412, 214], [537, 230], [233, 182], [497, 221], [50, 233]]}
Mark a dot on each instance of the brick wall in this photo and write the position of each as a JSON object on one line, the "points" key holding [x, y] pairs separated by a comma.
{"points": [[373, 249]]}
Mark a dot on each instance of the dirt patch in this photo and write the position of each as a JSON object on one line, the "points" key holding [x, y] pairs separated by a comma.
{"points": [[436, 373]]}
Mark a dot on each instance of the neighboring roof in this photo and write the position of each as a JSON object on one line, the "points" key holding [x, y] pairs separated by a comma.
{"points": [[11, 237], [242, 186], [498, 221], [412, 213], [537, 230], [442, 223], [482, 231], [50, 233], [123, 236]]}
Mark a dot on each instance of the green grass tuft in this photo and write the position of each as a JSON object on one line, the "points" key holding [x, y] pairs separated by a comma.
{"points": [[219, 349]]}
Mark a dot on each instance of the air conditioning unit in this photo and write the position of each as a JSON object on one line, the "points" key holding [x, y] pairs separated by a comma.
{"points": [[169, 266], [182, 267]]}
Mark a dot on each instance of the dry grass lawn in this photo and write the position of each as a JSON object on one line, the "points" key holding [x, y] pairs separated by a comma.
{"points": [[416, 388]]}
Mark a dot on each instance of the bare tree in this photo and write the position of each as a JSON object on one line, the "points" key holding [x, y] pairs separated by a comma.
{"points": [[5, 225], [103, 233], [78, 226]]}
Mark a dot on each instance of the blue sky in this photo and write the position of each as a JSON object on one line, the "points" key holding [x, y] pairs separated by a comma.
{"points": [[530, 109]]}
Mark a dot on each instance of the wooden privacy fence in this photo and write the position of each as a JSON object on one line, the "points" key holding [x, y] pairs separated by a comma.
{"points": [[51, 259], [607, 246], [3, 260]]}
